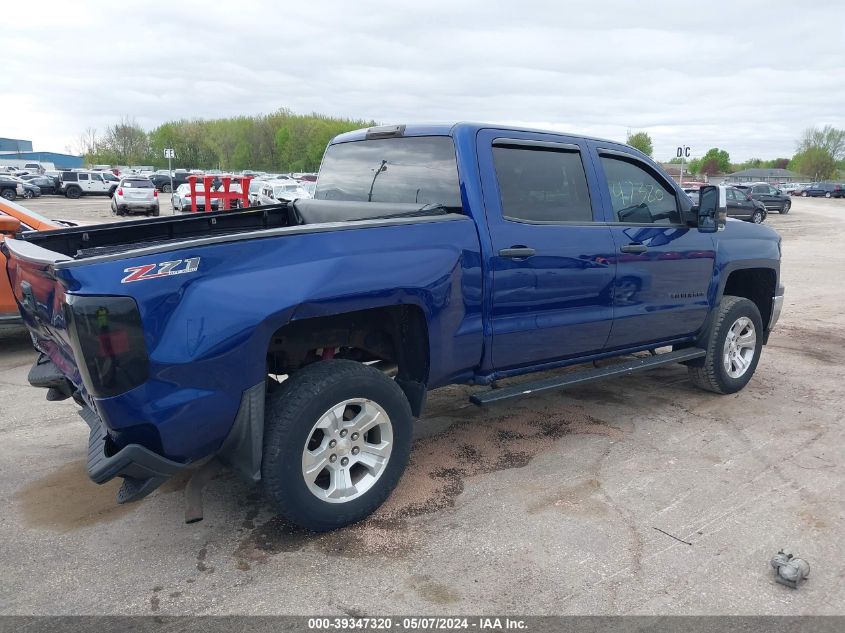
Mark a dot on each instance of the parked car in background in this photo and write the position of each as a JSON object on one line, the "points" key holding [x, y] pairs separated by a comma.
{"points": [[275, 191], [824, 189], [9, 187], [135, 194], [45, 183], [181, 199], [742, 206], [162, 181], [790, 187], [87, 183], [255, 191], [774, 199], [30, 190]]}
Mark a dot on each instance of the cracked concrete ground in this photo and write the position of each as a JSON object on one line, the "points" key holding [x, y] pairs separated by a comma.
{"points": [[637, 495]]}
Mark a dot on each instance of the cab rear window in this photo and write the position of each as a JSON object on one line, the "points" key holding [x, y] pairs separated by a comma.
{"points": [[416, 169]]}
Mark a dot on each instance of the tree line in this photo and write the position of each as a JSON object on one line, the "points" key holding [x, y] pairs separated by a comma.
{"points": [[281, 141], [820, 155]]}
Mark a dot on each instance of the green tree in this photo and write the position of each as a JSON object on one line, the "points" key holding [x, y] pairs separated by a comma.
{"points": [[279, 141], [828, 139], [715, 161], [640, 141], [815, 162]]}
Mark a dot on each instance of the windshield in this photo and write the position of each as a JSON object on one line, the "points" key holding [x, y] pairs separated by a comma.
{"points": [[419, 170]]}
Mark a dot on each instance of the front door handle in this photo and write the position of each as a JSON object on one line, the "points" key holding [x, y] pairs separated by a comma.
{"points": [[517, 252], [634, 248]]}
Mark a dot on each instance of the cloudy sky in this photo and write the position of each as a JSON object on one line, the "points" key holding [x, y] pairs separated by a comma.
{"points": [[744, 76]]}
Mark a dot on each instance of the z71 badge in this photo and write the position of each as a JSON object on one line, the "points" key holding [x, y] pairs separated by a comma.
{"points": [[163, 269]]}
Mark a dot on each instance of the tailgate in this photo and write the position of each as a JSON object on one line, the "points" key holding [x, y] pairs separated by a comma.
{"points": [[41, 300]]}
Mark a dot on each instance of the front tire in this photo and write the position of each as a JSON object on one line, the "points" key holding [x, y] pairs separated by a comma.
{"points": [[804, 194], [827, 194], [733, 347], [166, 188], [337, 437], [786, 206], [28, 195]]}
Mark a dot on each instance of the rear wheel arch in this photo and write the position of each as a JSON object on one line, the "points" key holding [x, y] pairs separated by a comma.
{"points": [[392, 335]]}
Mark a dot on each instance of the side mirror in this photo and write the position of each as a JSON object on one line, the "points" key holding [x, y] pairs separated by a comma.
{"points": [[712, 209], [9, 226]]}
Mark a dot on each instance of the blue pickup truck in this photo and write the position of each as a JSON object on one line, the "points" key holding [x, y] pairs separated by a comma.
{"points": [[296, 342]]}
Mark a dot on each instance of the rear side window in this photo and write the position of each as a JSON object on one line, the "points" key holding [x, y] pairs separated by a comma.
{"points": [[69, 177], [542, 185], [414, 169], [637, 196]]}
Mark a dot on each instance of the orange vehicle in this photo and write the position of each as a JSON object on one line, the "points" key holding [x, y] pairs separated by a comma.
{"points": [[13, 219]]}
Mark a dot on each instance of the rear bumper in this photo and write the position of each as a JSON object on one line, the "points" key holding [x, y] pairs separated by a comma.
{"points": [[136, 204], [142, 470]]}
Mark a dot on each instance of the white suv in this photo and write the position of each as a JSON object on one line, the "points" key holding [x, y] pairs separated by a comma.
{"points": [[82, 183]]}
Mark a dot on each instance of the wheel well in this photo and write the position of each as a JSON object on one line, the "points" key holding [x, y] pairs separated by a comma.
{"points": [[756, 284], [396, 335]]}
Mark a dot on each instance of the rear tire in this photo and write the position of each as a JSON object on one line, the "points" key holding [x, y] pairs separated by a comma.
{"points": [[28, 194], [166, 188], [827, 194], [73, 192], [303, 429], [9, 194], [733, 347], [757, 218]]}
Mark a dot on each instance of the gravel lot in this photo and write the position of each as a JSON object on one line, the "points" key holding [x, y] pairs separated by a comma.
{"points": [[557, 504]]}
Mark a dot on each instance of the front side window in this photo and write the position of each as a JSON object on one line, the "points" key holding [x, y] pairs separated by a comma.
{"points": [[542, 184], [414, 169], [637, 196]]}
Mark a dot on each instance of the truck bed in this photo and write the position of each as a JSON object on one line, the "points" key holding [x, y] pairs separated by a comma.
{"points": [[85, 242]]}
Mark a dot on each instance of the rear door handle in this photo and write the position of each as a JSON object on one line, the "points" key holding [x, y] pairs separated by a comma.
{"points": [[634, 248], [517, 252]]}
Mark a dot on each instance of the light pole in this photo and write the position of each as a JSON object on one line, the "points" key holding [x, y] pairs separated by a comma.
{"points": [[683, 152]]}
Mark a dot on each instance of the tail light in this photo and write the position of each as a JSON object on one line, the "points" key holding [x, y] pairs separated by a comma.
{"points": [[120, 192], [108, 342], [155, 193]]}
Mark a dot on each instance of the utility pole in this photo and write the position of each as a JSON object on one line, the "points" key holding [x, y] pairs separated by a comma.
{"points": [[683, 152], [169, 154]]}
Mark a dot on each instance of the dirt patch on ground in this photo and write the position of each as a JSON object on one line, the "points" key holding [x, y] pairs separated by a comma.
{"points": [[67, 499], [479, 443]]}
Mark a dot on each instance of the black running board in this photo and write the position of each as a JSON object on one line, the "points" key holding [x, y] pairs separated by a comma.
{"points": [[588, 375]]}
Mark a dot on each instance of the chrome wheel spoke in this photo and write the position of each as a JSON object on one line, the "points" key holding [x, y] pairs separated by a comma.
{"points": [[747, 340], [373, 461], [366, 419], [314, 462], [341, 483]]}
